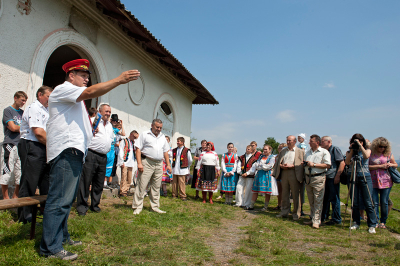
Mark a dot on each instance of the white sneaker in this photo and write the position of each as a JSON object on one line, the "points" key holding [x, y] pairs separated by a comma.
{"points": [[136, 211], [355, 226], [157, 210], [371, 230]]}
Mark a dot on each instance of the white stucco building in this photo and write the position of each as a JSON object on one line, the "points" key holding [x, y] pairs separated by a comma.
{"points": [[38, 36]]}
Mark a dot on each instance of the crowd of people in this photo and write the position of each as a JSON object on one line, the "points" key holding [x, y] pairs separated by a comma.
{"points": [[54, 149]]}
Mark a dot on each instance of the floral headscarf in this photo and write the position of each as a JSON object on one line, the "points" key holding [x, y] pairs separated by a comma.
{"points": [[212, 145]]}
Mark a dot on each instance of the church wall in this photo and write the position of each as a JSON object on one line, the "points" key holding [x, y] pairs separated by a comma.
{"points": [[22, 34]]}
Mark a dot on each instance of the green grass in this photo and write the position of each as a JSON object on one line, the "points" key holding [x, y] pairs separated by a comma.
{"points": [[286, 242], [181, 237]]}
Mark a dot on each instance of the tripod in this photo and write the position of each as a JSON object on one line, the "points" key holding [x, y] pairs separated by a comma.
{"points": [[353, 181]]}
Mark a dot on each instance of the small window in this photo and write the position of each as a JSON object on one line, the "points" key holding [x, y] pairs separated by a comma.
{"points": [[165, 108]]}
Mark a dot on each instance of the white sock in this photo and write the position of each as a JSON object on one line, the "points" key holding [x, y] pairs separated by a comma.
{"points": [[252, 204], [266, 204], [105, 183]]}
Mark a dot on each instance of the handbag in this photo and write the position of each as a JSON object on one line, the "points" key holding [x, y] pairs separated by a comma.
{"points": [[394, 174]]}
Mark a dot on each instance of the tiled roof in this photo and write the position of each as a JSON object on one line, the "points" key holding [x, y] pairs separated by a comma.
{"points": [[116, 11]]}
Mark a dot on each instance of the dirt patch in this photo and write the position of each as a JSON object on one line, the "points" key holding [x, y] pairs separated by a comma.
{"points": [[226, 239]]}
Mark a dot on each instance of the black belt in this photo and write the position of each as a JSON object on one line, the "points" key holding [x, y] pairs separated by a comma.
{"points": [[98, 153], [323, 173]]}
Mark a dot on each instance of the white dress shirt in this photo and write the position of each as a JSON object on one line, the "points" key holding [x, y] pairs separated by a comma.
{"points": [[177, 169], [36, 115], [69, 125], [318, 156], [102, 140], [152, 146], [131, 161], [288, 158]]}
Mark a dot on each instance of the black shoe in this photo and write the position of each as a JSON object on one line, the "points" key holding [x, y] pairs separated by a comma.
{"points": [[96, 210], [63, 255], [248, 208], [72, 243], [106, 187], [197, 197], [81, 213], [331, 223]]}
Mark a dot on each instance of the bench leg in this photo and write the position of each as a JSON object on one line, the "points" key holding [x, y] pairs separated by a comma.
{"points": [[33, 224]]}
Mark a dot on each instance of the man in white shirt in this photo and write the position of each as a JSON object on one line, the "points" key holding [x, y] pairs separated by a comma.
{"points": [[127, 161], [289, 169], [182, 160], [151, 148], [69, 132], [94, 169], [317, 161], [32, 150]]}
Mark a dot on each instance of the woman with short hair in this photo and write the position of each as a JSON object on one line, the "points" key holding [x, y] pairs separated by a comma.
{"points": [[379, 162]]}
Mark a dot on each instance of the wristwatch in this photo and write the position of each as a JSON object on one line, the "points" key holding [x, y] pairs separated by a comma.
{"points": [[314, 165]]}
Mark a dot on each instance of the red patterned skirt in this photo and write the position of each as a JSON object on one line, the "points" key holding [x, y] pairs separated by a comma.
{"points": [[207, 178]]}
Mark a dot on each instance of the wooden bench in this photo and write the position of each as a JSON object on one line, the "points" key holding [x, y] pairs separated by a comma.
{"points": [[33, 201]]}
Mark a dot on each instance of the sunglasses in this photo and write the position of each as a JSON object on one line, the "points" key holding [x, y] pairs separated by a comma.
{"points": [[382, 147]]}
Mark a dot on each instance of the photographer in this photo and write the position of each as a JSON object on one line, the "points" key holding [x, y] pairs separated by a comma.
{"points": [[360, 154]]}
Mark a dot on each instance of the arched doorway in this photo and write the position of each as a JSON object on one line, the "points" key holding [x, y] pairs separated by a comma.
{"points": [[166, 115], [54, 75]]}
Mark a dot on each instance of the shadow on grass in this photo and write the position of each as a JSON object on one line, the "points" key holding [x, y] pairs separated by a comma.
{"points": [[379, 245]]}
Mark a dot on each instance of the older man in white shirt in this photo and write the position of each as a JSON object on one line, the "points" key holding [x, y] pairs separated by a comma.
{"points": [[317, 161], [94, 169], [151, 148], [182, 160], [32, 150]]}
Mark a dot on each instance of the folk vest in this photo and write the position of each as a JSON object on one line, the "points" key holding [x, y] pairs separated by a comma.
{"points": [[246, 166], [127, 150], [183, 161]]}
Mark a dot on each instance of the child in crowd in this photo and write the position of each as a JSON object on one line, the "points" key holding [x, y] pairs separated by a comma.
{"points": [[167, 176]]}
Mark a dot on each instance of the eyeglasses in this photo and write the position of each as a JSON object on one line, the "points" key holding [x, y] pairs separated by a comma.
{"points": [[382, 147]]}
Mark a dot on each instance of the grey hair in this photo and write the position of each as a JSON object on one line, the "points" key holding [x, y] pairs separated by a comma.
{"points": [[103, 104], [327, 138], [156, 120]]}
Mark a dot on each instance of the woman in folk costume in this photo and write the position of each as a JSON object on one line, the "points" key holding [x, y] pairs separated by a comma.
{"points": [[167, 176], [196, 157], [208, 172], [263, 182], [228, 165]]}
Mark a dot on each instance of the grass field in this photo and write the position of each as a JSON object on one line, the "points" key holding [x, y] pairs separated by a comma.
{"points": [[193, 233]]}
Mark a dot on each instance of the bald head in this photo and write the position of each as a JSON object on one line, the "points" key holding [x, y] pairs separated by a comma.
{"points": [[291, 141]]}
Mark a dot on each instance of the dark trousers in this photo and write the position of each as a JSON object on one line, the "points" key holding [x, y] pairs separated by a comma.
{"points": [[65, 171], [94, 172], [361, 193], [331, 196], [35, 173]]}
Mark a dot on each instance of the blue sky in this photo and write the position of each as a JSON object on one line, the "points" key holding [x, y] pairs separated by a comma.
{"points": [[286, 67]]}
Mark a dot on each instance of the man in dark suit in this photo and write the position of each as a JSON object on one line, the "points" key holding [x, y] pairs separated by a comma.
{"points": [[289, 169]]}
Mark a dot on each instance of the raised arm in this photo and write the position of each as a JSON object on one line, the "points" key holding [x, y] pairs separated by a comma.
{"points": [[104, 87]]}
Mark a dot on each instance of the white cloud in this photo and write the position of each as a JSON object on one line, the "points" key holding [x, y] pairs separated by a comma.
{"points": [[329, 85], [286, 116]]}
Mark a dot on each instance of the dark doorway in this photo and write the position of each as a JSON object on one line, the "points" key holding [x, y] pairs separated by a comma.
{"points": [[54, 75]]}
